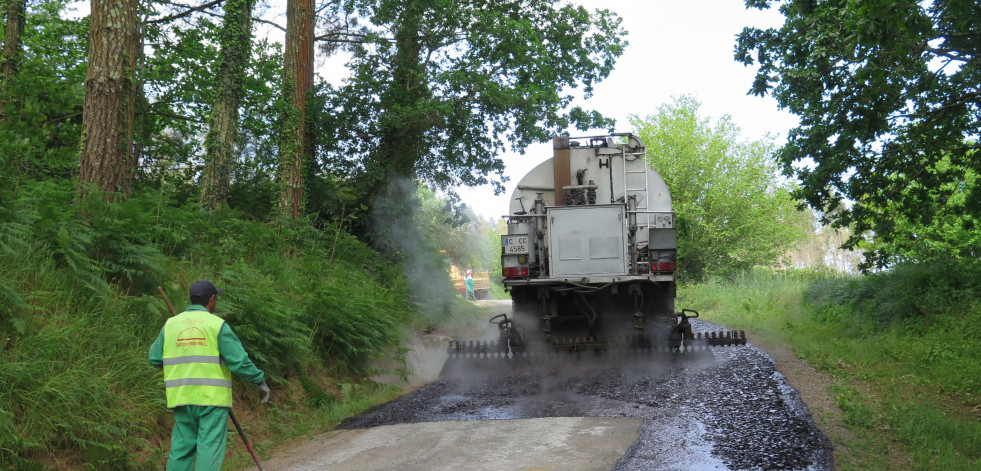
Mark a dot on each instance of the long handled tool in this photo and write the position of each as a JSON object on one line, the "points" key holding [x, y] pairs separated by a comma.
{"points": [[231, 413]]}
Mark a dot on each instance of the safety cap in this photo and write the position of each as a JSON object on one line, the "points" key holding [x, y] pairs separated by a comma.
{"points": [[204, 289]]}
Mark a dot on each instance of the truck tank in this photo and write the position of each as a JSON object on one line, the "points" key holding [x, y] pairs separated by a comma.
{"points": [[590, 256]]}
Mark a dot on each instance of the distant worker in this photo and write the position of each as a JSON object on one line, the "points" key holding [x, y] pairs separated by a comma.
{"points": [[198, 353], [468, 282]]}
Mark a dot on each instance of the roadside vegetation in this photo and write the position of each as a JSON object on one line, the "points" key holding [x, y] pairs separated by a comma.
{"points": [[317, 310], [902, 347]]}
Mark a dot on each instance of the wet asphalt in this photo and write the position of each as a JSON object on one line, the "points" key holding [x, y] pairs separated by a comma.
{"points": [[728, 410]]}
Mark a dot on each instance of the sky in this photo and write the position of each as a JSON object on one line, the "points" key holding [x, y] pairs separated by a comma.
{"points": [[676, 48]]}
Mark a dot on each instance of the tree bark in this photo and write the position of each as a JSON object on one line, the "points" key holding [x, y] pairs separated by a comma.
{"points": [[14, 11], [297, 77], [235, 51], [110, 86]]}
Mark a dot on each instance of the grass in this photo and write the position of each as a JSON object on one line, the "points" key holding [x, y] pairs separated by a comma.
{"points": [[314, 307], [902, 346]]}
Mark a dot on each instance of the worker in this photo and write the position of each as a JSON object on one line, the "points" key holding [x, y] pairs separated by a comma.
{"points": [[468, 282], [198, 353]]}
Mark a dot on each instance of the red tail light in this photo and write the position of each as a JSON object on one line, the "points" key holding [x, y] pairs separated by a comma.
{"points": [[664, 266], [511, 272]]}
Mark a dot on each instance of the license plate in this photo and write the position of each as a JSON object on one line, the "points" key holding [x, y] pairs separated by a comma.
{"points": [[515, 244]]}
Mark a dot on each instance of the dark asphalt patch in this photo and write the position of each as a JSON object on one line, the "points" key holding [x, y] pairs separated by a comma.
{"points": [[732, 412]]}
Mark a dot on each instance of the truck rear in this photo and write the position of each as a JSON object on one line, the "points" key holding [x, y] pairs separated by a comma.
{"points": [[590, 256]]}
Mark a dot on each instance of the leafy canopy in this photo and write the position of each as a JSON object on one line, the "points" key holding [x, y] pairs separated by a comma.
{"points": [[733, 210], [889, 104], [440, 88]]}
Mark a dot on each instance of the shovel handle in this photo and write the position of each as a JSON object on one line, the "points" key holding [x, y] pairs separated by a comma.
{"points": [[241, 433]]}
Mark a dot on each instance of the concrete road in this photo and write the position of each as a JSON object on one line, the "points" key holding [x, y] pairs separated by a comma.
{"points": [[545, 444]]}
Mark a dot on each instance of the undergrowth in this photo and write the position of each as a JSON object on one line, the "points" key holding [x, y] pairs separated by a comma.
{"points": [[902, 345], [79, 308]]}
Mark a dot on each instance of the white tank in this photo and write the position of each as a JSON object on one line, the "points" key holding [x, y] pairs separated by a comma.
{"points": [[614, 165]]}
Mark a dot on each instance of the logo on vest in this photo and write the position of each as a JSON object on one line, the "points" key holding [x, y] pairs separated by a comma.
{"points": [[191, 336]]}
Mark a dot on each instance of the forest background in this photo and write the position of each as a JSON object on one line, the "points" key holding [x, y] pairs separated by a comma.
{"points": [[155, 143]]}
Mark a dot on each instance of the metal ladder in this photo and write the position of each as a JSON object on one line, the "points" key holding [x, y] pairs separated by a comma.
{"points": [[643, 198]]}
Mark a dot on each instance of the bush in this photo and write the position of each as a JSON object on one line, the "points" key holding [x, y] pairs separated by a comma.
{"points": [[908, 291]]}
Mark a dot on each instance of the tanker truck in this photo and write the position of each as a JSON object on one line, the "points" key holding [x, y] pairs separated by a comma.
{"points": [[590, 257]]}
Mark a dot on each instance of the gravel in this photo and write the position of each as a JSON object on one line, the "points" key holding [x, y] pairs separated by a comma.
{"points": [[731, 410]]}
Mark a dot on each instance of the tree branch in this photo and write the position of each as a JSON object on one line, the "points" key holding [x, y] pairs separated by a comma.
{"points": [[937, 111], [335, 38], [270, 23], [945, 53], [190, 10], [176, 116]]}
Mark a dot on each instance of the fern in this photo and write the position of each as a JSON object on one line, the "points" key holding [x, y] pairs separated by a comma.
{"points": [[10, 305], [268, 326]]}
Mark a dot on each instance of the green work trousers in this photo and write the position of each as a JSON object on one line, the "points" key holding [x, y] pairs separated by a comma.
{"points": [[200, 432]]}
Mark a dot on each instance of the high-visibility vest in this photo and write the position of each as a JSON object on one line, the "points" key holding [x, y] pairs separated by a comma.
{"points": [[194, 373]]}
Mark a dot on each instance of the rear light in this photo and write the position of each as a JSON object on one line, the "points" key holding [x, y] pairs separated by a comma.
{"points": [[664, 266], [510, 272]]}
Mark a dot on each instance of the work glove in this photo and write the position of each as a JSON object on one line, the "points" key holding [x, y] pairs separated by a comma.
{"points": [[264, 389]]}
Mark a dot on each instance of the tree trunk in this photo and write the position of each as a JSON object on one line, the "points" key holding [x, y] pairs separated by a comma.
{"points": [[402, 126], [403, 129], [107, 112], [236, 40], [297, 75], [309, 139], [14, 10]]}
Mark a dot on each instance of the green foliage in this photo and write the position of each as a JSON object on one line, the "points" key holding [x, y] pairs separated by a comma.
{"points": [[350, 317], [939, 231], [44, 110], [87, 271], [733, 210], [76, 379], [14, 239], [317, 397], [269, 325], [179, 81], [888, 99], [853, 405], [94, 240], [440, 89], [909, 291]]}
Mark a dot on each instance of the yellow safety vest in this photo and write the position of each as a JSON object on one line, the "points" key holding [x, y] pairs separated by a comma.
{"points": [[194, 373]]}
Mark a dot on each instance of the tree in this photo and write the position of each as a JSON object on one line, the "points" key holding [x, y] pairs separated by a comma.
{"points": [[41, 125], [109, 106], [235, 42], [950, 234], [441, 88], [733, 210], [297, 80], [14, 12], [890, 107]]}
